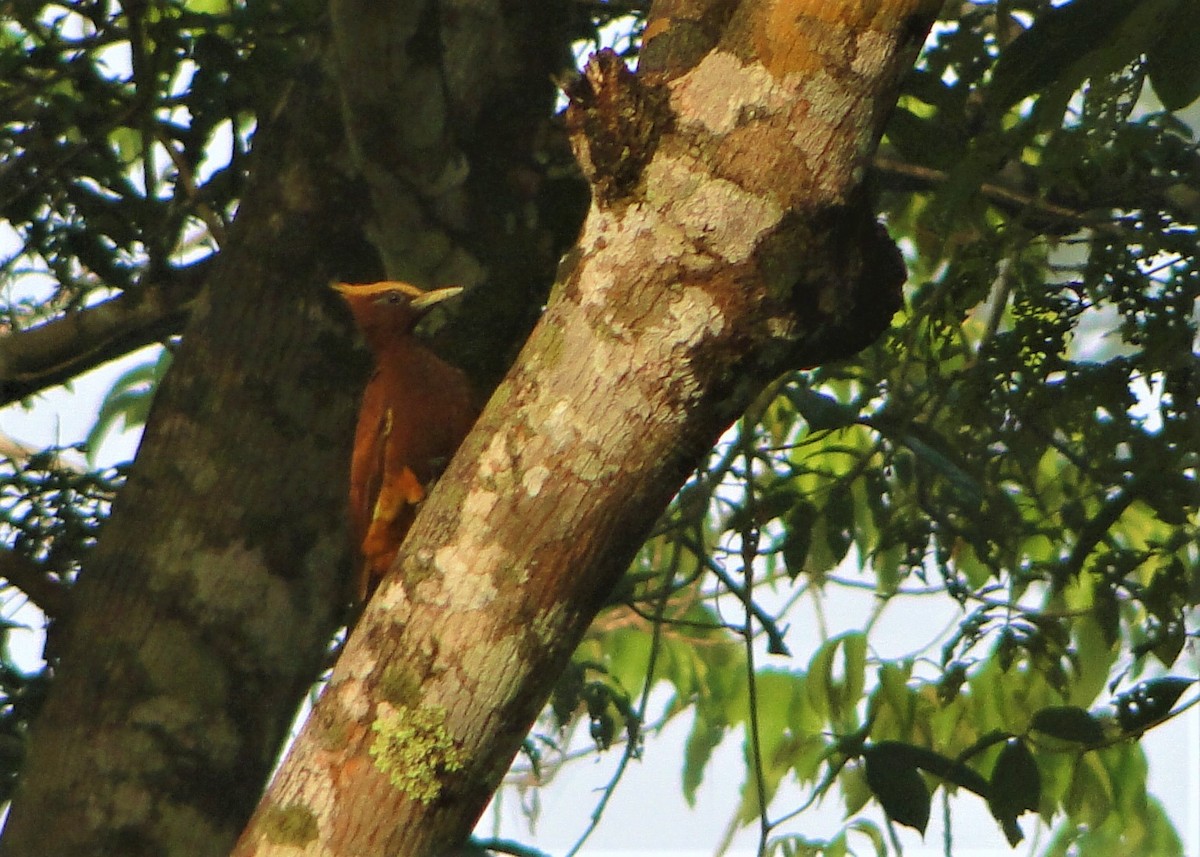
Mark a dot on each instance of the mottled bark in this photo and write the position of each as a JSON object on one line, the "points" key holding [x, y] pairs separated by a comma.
{"points": [[208, 607], [727, 241], [208, 604], [470, 177]]}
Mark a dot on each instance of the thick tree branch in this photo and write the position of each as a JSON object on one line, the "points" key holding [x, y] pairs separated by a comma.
{"points": [[470, 178], [217, 580], [50, 596], [57, 351], [698, 277]]}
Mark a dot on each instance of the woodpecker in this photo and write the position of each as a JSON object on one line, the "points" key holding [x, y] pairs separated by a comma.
{"points": [[416, 409]]}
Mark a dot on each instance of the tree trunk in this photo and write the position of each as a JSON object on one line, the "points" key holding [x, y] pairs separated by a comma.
{"points": [[727, 240], [208, 607]]}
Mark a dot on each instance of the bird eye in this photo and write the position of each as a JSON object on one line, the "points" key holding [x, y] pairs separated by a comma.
{"points": [[393, 298]]}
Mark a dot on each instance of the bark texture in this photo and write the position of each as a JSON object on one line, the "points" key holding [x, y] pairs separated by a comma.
{"points": [[727, 240], [448, 108], [207, 607], [210, 602]]}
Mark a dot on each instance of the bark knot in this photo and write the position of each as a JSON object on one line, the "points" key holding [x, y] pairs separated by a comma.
{"points": [[615, 120]]}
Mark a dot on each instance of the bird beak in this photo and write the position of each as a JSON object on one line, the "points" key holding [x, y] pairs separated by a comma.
{"points": [[435, 296], [417, 299]]}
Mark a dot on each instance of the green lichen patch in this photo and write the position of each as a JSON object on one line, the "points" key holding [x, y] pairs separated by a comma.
{"points": [[414, 749], [546, 625], [290, 825]]}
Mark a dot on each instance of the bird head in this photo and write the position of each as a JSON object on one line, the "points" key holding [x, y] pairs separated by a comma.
{"points": [[390, 308]]}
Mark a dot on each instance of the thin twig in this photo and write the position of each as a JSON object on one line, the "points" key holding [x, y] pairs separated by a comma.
{"points": [[775, 641], [216, 227], [997, 302], [632, 746], [1004, 197], [750, 539]]}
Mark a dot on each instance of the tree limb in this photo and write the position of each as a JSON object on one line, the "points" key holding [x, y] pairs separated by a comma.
{"points": [[1037, 213], [47, 594], [58, 350], [698, 278]]}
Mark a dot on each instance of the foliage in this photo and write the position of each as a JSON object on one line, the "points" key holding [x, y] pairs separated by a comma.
{"points": [[52, 509], [128, 401], [1020, 452], [116, 121], [50, 515], [1024, 443]]}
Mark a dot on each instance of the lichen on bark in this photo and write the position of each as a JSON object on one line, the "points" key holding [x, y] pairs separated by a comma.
{"points": [[414, 749]]}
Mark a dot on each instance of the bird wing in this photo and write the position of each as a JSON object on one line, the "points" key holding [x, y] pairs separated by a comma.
{"points": [[384, 487], [367, 464], [415, 411]]}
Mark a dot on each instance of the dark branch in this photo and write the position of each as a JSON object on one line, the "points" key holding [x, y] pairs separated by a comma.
{"points": [[55, 352], [1049, 216], [42, 589]]}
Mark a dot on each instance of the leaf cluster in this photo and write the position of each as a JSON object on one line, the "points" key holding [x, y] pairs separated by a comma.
{"points": [[126, 130], [895, 770], [50, 516], [51, 510]]}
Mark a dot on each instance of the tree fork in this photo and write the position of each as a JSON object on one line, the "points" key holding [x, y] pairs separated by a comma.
{"points": [[727, 236]]}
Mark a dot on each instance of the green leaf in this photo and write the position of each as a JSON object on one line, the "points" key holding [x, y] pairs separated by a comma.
{"points": [[855, 789], [783, 739], [838, 519], [835, 698], [897, 784], [627, 654], [701, 742], [893, 704], [798, 523], [777, 500], [1015, 788], [1094, 656], [822, 412], [207, 7], [128, 401], [818, 687], [964, 484], [1149, 702], [1089, 799], [950, 770], [128, 143], [1072, 42], [854, 656], [872, 832], [1171, 63], [931, 141], [567, 693], [1068, 723]]}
